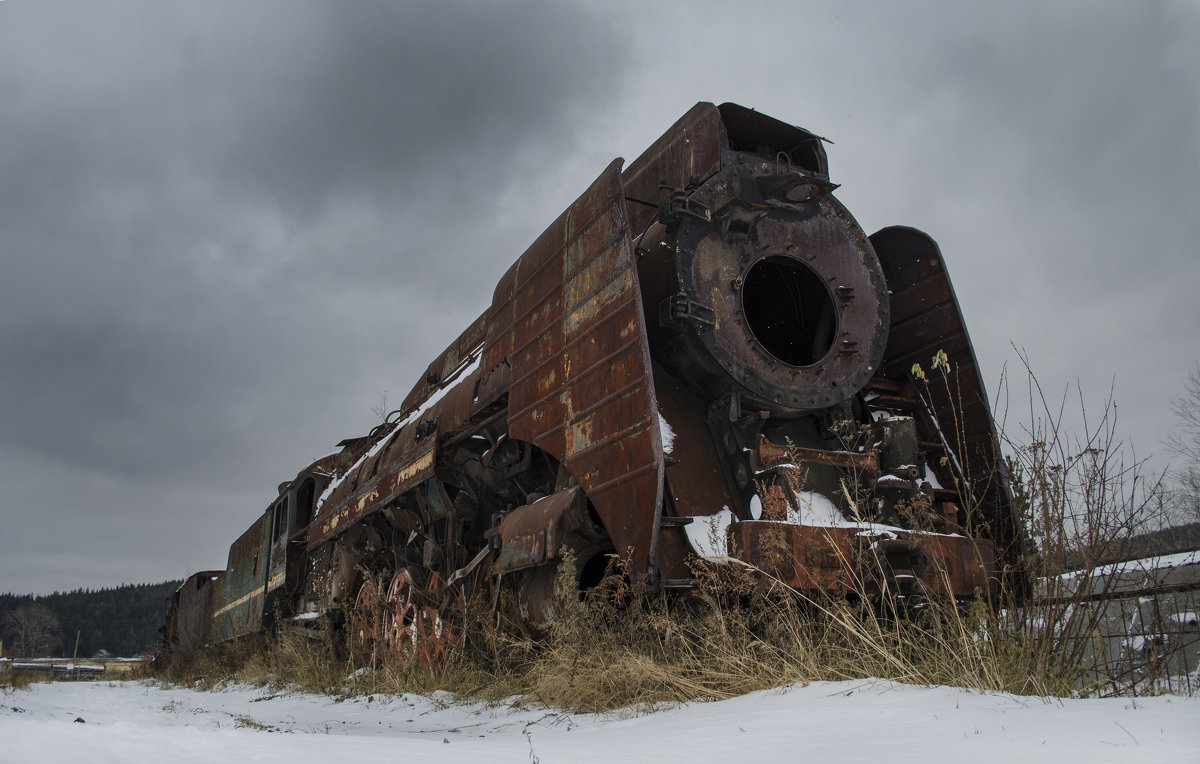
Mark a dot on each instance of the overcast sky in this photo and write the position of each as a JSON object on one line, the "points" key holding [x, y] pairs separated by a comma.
{"points": [[228, 228]]}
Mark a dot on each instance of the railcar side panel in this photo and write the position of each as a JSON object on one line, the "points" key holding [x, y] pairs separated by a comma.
{"points": [[238, 601]]}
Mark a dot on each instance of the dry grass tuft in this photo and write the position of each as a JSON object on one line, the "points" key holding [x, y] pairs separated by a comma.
{"points": [[609, 649], [16, 679], [741, 631]]}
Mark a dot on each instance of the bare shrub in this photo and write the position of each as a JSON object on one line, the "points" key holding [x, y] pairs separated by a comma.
{"points": [[33, 630], [1083, 498], [1184, 444]]}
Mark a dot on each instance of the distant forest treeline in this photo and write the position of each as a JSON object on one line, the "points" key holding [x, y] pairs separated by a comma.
{"points": [[123, 620]]}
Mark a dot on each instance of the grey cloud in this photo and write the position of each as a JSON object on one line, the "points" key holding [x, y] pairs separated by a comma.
{"points": [[1051, 150], [225, 226], [1065, 149]]}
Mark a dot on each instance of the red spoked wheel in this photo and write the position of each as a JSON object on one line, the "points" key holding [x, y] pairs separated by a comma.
{"points": [[401, 629], [407, 619], [367, 618], [440, 631]]}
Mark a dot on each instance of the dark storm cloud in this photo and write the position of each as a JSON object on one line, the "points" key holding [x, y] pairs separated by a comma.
{"points": [[295, 102], [224, 229], [1060, 157], [1053, 151]]}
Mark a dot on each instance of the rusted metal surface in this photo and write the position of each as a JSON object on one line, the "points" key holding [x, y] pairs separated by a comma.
{"points": [[785, 299], [695, 483], [801, 556], [694, 475], [239, 595], [707, 332], [531, 535], [189, 612], [866, 462], [407, 463], [835, 560], [581, 388], [751, 135], [685, 155], [406, 457]]}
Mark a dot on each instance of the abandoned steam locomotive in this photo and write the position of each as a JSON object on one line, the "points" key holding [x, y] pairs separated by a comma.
{"points": [[705, 339]]}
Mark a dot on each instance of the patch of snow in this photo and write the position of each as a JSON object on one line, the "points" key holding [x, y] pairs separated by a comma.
{"points": [[139, 723], [1185, 619], [812, 508], [931, 478], [816, 510], [776, 467], [706, 534], [805, 508], [667, 434], [1146, 564]]}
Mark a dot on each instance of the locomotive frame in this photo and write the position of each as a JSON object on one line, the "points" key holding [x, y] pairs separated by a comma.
{"points": [[705, 334]]}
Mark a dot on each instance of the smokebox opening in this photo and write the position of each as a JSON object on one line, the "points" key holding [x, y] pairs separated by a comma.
{"points": [[789, 310]]}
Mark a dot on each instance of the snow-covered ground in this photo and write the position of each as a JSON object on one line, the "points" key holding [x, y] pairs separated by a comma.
{"points": [[839, 721]]}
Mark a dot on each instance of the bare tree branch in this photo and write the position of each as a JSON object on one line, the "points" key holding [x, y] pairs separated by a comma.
{"points": [[33, 630], [1184, 443]]}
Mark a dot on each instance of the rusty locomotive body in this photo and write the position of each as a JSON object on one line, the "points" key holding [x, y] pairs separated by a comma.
{"points": [[705, 343]]}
